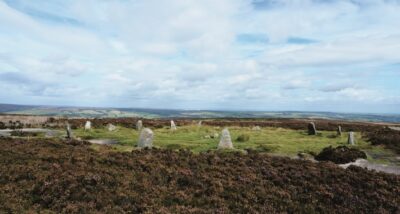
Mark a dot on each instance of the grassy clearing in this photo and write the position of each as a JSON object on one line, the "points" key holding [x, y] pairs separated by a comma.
{"points": [[278, 141]]}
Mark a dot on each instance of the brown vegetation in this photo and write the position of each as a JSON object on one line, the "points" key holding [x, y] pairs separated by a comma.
{"points": [[340, 154], [387, 137], [70, 177], [297, 124]]}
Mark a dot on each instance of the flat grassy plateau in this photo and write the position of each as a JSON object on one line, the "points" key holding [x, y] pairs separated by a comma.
{"points": [[277, 141]]}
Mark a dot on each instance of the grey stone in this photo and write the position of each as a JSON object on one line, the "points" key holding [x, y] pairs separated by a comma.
{"points": [[351, 140], [139, 125], [111, 127], [256, 128], [225, 142], [199, 123], [311, 129], [146, 138], [88, 125], [173, 126], [69, 132], [339, 131]]}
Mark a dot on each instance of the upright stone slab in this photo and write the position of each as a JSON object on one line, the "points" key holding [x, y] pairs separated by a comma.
{"points": [[225, 142], [88, 125], [139, 125], [69, 132], [351, 139], [311, 129], [173, 126], [146, 138], [199, 123], [339, 131], [111, 127]]}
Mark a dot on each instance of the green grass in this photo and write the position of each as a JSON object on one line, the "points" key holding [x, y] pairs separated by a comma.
{"points": [[273, 140], [276, 141]]}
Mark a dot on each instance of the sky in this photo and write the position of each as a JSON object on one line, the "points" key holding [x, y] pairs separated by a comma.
{"points": [[273, 55]]}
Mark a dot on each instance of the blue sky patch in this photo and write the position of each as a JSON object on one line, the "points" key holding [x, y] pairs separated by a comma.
{"points": [[248, 38], [300, 40]]}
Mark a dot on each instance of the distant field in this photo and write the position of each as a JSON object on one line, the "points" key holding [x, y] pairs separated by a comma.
{"points": [[87, 112]]}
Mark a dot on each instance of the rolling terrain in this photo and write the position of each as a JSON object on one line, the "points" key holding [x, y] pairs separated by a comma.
{"points": [[90, 112]]}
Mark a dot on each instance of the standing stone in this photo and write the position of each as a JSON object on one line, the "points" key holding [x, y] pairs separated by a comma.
{"points": [[351, 139], [111, 127], [339, 131], [225, 142], [145, 138], [139, 125], [311, 129], [199, 123], [256, 128], [173, 126], [88, 125], [69, 132]]}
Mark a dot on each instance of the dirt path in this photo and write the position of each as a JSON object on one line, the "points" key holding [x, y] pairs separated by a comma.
{"points": [[373, 166]]}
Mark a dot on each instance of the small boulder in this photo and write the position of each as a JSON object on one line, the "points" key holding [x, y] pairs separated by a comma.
{"points": [[111, 127]]}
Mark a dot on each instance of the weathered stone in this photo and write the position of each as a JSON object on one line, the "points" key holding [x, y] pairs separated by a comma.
{"points": [[88, 125], [256, 128], [69, 132], [351, 140], [225, 142], [139, 125], [311, 129], [339, 131], [146, 138], [173, 126], [199, 123], [207, 137], [111, 127]]}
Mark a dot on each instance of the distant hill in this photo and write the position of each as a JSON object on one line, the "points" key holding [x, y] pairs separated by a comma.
{"points": [[165, 113]]}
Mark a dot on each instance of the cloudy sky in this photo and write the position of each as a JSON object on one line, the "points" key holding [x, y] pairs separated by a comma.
{"points": [[312, 55]]}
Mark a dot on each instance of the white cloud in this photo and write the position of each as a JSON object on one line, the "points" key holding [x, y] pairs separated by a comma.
{"points": [[186, 53]]}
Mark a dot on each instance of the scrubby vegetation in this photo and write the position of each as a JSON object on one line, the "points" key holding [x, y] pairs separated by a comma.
{"points": [[340, 154], [387, 137], [295, 124], [69, 177], [20, 133], [243, 138]]}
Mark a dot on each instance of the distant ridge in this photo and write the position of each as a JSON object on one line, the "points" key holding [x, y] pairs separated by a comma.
{"points": [[98, 112]]}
